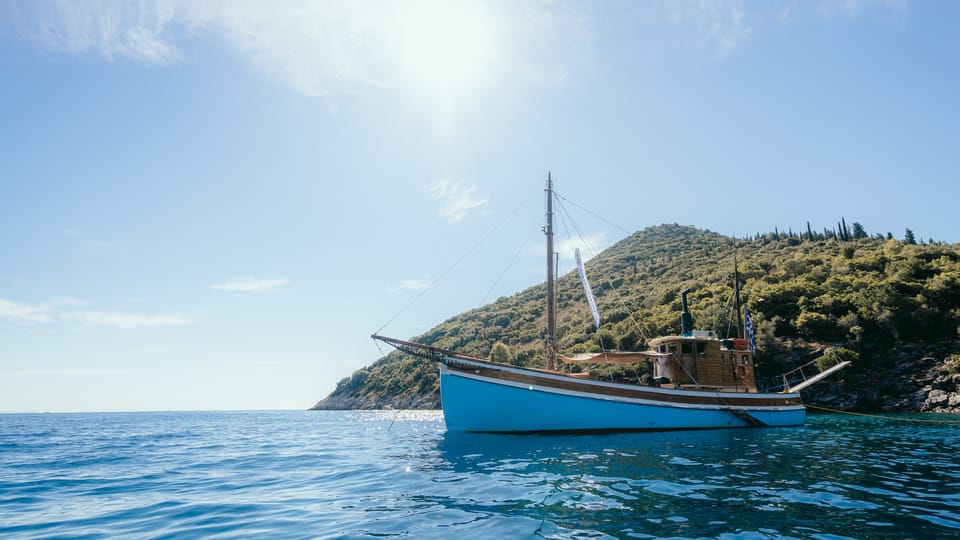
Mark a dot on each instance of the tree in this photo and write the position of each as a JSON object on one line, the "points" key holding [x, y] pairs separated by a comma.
{"points": [[814, 325], [908, 237], [500, 353], [858, 230]]}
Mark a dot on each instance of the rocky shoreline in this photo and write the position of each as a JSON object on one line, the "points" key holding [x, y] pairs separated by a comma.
{"points": [[358, 403], [924, 385]]}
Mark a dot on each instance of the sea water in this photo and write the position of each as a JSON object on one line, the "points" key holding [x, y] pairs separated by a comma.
{"points": [[400, 474]]}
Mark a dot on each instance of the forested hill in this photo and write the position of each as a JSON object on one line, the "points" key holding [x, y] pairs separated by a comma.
{"points": [[893, 305]]}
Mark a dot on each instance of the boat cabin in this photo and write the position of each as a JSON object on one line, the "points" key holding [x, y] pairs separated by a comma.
{"points": [[698, 359], [703, 361]]}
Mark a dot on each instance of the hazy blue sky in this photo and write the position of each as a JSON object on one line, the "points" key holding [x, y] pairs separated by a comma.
{"points": [[211, 205]]}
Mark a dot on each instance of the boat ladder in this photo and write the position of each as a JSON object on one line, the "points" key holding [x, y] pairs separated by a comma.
{"points": [[750, 419]]}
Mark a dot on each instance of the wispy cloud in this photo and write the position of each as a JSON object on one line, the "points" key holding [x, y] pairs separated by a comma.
{"points": [[126, 321], [139, 31], [589, 245], [856, 8], [317, 48], [137, 352], [329, 48], [456, 199], [85, 243], [412, 284], [724, 24], [250, 285], [25, 313], [61, 372], [58, 310]]}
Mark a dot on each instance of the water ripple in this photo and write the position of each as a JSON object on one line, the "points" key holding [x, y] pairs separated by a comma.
{"points": [[399, 474]]}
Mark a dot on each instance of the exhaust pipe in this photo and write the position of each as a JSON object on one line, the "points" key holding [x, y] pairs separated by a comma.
{"points": [[686, 320]]}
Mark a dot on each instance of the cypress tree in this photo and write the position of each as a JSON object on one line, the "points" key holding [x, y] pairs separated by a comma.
{"points": [[858, 230], [908, 237]]}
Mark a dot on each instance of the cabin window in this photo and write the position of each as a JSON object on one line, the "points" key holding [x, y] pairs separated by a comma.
{"points": [[673, 349], [663, 348], [687, 348], [701, 347], [746, 360]]}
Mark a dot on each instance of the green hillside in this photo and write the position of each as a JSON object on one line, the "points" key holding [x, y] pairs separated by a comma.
{"points": [[878, 298]]}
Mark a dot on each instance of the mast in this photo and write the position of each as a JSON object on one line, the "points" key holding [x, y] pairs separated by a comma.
{"points": [[736, 289], [551, 283]]}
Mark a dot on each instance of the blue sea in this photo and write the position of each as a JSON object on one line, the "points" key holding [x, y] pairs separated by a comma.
{"points": [[399, 474]]}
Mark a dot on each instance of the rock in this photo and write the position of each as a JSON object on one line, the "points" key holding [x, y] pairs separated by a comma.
{"points": [[941, 401], [954, 401], [917, 398]]}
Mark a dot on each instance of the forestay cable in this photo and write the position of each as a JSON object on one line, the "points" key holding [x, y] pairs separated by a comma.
{"points": [[601, 218], [509, 264], [452, 266]]}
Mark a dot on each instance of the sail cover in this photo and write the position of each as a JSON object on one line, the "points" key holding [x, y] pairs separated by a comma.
{"points": [[586, 289], [611, 357]]}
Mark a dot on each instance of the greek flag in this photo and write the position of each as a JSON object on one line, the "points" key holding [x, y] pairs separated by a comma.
{"points": [[586, 289], [748, 328]]}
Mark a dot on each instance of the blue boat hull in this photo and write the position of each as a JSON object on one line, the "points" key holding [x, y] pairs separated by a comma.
{"points": [[480, 404]]}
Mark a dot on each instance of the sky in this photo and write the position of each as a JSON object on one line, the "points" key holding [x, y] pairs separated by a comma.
{"points": [[213, 204]]}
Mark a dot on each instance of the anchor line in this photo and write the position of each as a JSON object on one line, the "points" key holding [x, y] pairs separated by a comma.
{"points": [[828, 409]]}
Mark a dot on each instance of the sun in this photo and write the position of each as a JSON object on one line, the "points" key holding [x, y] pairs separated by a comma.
{"points": [[446, 51]]}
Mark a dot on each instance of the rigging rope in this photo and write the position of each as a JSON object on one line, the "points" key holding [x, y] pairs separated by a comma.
{"points": [[583, 238], [601, 218], [592, 252], [451, 267], [377, 343], [509, 264], [883, 417]]}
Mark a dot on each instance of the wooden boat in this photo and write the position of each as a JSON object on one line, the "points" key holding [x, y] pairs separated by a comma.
{"points": [[700, 381]]}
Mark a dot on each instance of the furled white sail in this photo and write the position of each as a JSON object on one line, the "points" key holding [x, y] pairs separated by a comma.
{"points": [[586, 289]]}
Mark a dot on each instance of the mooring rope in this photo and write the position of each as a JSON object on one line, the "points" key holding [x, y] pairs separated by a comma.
{"points": [[882, 416]]}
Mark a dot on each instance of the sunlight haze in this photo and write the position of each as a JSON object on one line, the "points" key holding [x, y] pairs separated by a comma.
{"points": [[212, 205]]}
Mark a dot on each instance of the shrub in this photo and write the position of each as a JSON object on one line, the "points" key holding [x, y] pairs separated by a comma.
{"points": [[500, 353], [836, 355]]}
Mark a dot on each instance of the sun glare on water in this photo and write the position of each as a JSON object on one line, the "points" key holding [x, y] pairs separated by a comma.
{"points": [[446, 51]]}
